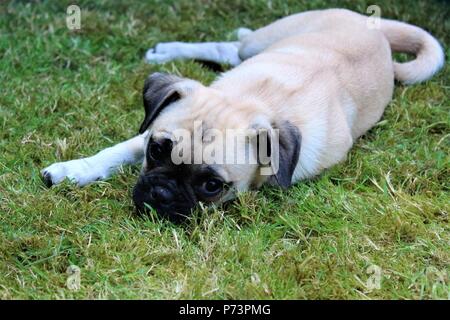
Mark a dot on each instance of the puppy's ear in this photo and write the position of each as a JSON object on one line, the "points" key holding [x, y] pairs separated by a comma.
{"points": [[160, 90], [290, 141], [281, 143]]}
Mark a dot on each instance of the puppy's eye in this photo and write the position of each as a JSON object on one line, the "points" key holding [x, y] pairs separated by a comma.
{"points": [[212, 187], [155, 151], [158, 151]]}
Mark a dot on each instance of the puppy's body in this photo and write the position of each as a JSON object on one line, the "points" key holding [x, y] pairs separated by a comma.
{"points": [[332, 80], [325, 73]]}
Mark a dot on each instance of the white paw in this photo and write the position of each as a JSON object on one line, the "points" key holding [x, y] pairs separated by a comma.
{"points": [[169, 47], [157, 58], [163, 52], [80, 172]]}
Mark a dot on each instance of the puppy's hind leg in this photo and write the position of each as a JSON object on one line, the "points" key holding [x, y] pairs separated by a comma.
{"points": [[242, 32], [217, 52], [98, 167]]}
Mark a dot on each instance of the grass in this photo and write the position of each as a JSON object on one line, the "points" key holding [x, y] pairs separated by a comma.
{"points": [[69, 94]]}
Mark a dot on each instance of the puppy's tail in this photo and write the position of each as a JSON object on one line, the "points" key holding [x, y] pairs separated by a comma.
{"points": [[407, 38]]}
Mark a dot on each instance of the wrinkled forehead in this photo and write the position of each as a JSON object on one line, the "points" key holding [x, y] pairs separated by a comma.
{"points": [[205, 106], [176, 116]]}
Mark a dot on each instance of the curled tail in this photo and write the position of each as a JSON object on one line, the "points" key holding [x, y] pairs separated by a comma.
{"points": [[407, 38]]}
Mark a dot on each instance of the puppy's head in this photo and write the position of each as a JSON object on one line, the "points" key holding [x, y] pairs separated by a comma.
{"points": [[204, 146]]}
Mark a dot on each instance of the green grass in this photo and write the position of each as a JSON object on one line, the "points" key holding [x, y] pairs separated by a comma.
{"points": [[66, 95]]}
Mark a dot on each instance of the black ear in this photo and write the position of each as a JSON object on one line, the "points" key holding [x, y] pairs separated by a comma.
{"points": [[289, 151], [159, 92], [284, 144]]}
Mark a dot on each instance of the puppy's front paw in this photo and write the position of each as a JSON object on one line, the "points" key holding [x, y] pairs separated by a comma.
{"points": [[80, 172]]}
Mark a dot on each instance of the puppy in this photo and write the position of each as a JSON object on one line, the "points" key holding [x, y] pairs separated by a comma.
{"points": [[304, 89]]}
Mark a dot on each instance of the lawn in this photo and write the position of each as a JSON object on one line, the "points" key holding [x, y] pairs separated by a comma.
{"points": [[375, 226]]}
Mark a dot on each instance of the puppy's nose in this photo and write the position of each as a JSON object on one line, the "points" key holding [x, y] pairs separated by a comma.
{"points": [[161, 195]]}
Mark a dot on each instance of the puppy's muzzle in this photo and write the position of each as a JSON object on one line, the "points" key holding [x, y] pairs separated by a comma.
{"points": [[162, 194]]}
